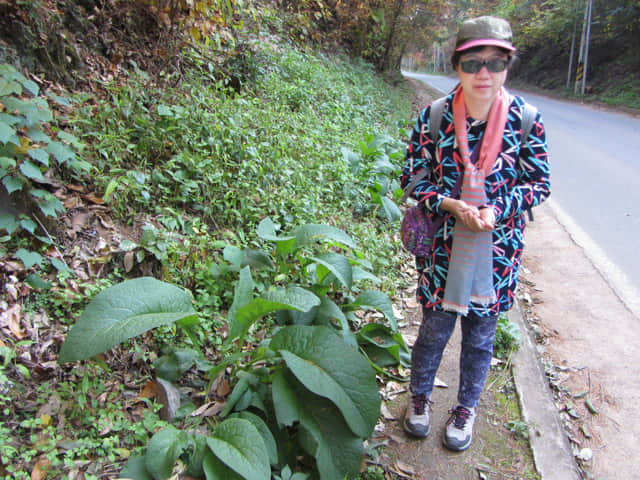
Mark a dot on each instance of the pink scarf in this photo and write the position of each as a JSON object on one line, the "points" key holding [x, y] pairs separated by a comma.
{"points": [[469, 278]]}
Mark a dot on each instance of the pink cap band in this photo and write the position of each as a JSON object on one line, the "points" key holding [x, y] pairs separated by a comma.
{"points": [[488, 42]]}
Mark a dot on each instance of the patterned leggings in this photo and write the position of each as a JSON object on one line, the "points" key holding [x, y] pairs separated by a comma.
{"points": [[478, 335]]}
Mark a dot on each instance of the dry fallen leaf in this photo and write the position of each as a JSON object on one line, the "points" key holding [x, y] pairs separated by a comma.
{"points": [[11, 319], [440, 383], [223, 388], [404, 468], [150, 390], [208, 409], [40, 469], [76, 188], [94, 199], [129, 261], [386, 414], [411, 302]]}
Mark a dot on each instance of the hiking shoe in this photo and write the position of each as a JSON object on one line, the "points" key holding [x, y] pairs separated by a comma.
{"points": [[459, 431], [416, 418]]}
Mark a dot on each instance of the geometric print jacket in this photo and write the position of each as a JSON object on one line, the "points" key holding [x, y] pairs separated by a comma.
{"points": [[519, 181]]}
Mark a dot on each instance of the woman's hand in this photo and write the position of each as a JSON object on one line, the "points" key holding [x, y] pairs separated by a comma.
{"points": [[489, 217], [475, 220]]}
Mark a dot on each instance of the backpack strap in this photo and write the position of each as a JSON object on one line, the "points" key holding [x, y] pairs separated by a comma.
{"points": [[528, 117], [435, 119]]}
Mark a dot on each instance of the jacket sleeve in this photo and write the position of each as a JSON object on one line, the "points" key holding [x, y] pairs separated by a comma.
{"points": [[532, 185], [420, 154]]}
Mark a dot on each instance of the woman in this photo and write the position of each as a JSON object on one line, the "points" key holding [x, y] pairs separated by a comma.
{"points": [[473, 268]]}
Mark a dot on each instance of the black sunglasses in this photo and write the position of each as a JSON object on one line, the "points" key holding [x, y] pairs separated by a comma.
{"points": [[494, 65]]}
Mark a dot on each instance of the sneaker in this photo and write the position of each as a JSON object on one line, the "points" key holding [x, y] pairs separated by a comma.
{"points": [[416, 418], [459, 431]]}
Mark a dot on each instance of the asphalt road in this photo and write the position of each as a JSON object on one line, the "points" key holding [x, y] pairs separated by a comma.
{"points": [[595, 176]]}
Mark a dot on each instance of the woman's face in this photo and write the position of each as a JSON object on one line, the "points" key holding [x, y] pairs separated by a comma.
{"points": [[482, 86]]}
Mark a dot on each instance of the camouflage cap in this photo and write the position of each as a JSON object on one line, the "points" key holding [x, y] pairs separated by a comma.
{"points": [[490, 31]]}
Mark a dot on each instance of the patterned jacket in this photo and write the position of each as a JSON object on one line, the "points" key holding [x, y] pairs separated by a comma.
{"points": [[518, 181]]}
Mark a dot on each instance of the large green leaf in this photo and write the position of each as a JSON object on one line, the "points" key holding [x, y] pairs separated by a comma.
{"points": [[338, 265], [285, 401], [329, 309], [239, 391], [267, 436], [29, 259], [328, 367], [267, 231], [35, 110], [122, 312], [377, 300], [311, 233], [215, 469], [31, 171], [243, 292], [243, 314], [256, 259], [383, 346], [40, 155], [173, 365], [384, 166], [390, 209], [62, 152], [360, 274], [8, 134], [12, 184], [38, 136], [135, 469], [8, 222], [164, 449], [352, 159], [239, 445], [323, 432], [9, 86], [197, 448]]}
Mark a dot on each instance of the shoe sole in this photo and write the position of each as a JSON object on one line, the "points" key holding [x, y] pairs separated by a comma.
{"points": [[413, 433], [456, 448]]}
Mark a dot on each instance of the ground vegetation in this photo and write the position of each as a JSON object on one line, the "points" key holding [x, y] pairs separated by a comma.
{"points": [[160, 204]]}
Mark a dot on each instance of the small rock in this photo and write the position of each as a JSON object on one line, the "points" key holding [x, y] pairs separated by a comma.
{"points": [[169, 397], [585, 454]]}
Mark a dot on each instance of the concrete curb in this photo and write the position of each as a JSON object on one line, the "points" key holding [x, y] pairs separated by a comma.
{"points": [[552, 453]]}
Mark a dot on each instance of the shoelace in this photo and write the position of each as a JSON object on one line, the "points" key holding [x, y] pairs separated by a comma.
{"points": [[461, 416], [419, 402]]}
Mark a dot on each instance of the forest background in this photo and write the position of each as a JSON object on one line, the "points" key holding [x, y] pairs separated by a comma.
{"points": [[381, 32], [181, 139]]}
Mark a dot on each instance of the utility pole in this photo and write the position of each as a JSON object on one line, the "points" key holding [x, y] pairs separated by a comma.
{"points": [[581, 74], [435, 58], [573, 44], [586, 49]]}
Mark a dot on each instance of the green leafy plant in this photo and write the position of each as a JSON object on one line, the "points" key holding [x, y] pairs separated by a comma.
{"points": [[30, 145], [519, 428], [508, 337], [307, 386], [378, 162]]}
